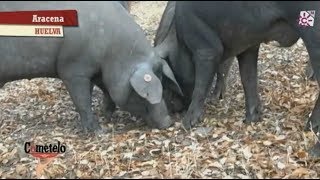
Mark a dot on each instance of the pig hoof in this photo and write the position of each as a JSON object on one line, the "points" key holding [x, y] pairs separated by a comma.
{"points": [[218, 94], [311, 77], [191, 119], [165, 123], [254, 116], [309, 72], [312, 124], [91, 127], [107, 110], [186, 125], [314, 152]]}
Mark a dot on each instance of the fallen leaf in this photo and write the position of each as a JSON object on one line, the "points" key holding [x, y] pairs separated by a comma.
{"points": [[84, 161], [101, 172], [25, 159], [79, 173], [300, 172], [242, 176], [145, 173], [216, 165], [5, 161], [223, 160], [228, 177], [155, 151], [215, 136], [155, 130], [158, 143], [267, 143], [3, 149], [240, 96], [110, 148], [280, 165], [247, 152], [128, 155], [203, 131], [166, 143], [207, 172], [271, 56], [103, 153], [260, 175], [42, 164], [302, 154], [20, 169], [151, 163], [122, 173], [142, 137], [235, 146]]}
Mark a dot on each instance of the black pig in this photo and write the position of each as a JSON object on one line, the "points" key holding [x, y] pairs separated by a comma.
{"points": [[212, 32]]}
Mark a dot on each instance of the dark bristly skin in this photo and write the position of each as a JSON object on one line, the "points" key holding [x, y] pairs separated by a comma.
{"points": [[107, 49], [214, 31], [165, 43]]}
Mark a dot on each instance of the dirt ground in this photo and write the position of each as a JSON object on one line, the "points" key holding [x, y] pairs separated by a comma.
{"points": [[41, 110]]}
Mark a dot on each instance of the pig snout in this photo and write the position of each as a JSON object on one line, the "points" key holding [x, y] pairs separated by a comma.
{"points": [[158, 116], [165, 123], [160, 123]]}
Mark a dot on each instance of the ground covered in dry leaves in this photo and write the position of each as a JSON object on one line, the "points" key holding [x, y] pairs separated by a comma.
{"points": [[222, 146]]}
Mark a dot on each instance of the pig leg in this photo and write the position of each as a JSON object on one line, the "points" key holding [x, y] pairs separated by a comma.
{"points": [[313, 46], [311, 39], [206, 50], [222, 75], [206, 62], [108, 105], [248, 71], [79, 89], [206, 56], [315, 150]]}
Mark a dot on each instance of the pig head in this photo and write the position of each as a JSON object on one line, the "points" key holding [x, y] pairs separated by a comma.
{"points": [[139, 90]]}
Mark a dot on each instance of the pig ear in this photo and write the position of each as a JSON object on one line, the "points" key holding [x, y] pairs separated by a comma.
{"points": [[147, 85], [168, 73]]}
